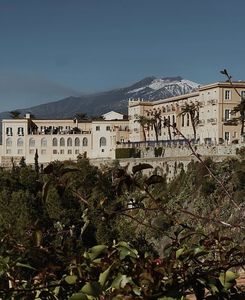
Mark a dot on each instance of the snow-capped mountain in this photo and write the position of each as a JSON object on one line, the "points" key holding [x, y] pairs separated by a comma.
{"points": [[149, 88], [163, 88]]}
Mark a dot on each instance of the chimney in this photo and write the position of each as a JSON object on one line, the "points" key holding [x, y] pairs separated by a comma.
{"points": [[28, 116]]}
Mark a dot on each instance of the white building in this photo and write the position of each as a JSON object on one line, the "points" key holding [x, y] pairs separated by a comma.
{"points": [[66, 139], [61, 139], [215, 103]]}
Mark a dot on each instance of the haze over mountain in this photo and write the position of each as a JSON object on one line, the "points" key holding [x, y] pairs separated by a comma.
{"points": [[149, 88]]}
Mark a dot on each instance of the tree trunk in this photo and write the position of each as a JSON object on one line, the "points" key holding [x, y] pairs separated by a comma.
{"points": [[194, 127], [156, 131], [144, 135]]}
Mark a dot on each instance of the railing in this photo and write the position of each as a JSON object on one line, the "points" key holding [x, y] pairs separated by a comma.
{"points": [[63, 132]]}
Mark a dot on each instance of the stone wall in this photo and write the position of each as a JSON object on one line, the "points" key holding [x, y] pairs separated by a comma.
{"points": [[173, 159]]}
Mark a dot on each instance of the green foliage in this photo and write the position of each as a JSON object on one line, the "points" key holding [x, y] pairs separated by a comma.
{"points": [[127, 153], [158, 151], [79, 232]]}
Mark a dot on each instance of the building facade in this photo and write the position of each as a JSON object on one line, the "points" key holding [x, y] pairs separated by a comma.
{"points": [[61, 139], [214, 104], [66, 139]]}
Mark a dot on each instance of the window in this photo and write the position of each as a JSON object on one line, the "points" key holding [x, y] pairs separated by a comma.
{"points": [[85, 142], [76, 151], [43, 142], [31, 142], [69, 142], [20, 142], [31, 151], [173, 119], [62, 142], [69, 151], [9, 131], [227, 136], [62, 151], [77, 142], [97, 128], [183, 121], [20, 131], [43, 151], [108, 128], [188, 120], [55, 142], [8, 142], [8, 151], [243, 94], [54, 151], [20, 151], [227, 94], [227, 114], [102, 141]]}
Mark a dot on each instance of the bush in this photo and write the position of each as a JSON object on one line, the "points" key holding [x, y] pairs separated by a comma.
{"points": [[158, 151], [127, 153]]}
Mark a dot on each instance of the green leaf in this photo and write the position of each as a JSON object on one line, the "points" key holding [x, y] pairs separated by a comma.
{"points": [[18, 264], [125, 250], [71, 279], [103, 276], [78, 296], [180, 252], [95, 251], [213, 288], [228, 279], [199, 251], [92, 289], [45, 190], [121, 280]]}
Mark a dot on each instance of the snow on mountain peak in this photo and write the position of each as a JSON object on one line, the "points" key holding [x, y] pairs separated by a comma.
{"points": [[169, 86], [153, 88]]}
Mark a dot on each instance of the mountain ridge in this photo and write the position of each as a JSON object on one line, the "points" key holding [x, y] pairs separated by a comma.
{"points": [[149, 88]]}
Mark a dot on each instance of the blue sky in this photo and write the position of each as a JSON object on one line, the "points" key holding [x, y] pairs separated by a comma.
{"points": [[51, 49]]}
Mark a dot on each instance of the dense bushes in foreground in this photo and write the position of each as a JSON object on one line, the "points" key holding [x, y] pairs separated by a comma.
{"points": [[74, 231]]}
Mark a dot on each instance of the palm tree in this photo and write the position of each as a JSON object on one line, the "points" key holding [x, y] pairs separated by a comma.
{"points": [[241, 109], [241, 106], [193, 111], [156, 121], [166, 123], [143, 121], [81, 116], [15, 114]]}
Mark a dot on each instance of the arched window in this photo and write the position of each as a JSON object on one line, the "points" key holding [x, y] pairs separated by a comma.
{"points": [[62, 142], [183, 121], [20, 142], [69, 142], [77, 142], [31, 142], [43, 142], [55, 142], [85, 142], [188, 120], [102, 141], [8, 142]]}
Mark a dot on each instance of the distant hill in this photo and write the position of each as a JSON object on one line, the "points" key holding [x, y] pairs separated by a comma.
{"points": [[150, 88]]}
